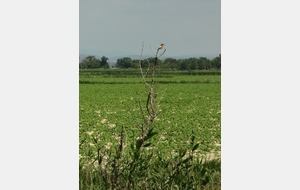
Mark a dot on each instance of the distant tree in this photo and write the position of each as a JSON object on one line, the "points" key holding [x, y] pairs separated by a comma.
{"points": [[216, 62], [192, 63], [91, 62], [104, 62], [125, 62], [136, 62], [170, 63], [152, 60], [203, 63], [182, 64]]}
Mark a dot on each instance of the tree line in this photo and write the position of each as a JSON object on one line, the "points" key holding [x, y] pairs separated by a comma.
{"points": [[201, 63]]}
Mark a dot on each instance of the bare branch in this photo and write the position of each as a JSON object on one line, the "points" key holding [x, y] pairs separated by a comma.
{"points": [[163, 52], [152, 50], [140, 64]]}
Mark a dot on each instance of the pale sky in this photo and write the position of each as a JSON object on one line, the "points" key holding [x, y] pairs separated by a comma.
{"points": [[118, 27]]}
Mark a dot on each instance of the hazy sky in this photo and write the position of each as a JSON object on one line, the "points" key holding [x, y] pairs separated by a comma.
{"points": [[118, 27]]}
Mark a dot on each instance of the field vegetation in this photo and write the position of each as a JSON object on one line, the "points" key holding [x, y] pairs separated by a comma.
{"points": [[128, 143]]}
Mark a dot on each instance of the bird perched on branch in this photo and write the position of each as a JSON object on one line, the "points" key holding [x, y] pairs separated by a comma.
{"points": [[161, 46]]}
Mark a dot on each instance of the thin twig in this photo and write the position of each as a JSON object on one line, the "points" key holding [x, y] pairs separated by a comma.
{"points": [[152, 50]]}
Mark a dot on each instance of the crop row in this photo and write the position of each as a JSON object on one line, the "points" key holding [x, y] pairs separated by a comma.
{"points": [[136, 72]]}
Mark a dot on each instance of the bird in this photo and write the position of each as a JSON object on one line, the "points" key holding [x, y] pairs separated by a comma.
{"points": [[161, 46]]}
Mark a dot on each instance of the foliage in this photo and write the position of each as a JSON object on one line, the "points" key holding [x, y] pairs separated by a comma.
{"points": [[124, 63], [91, 62], [189, 64], [216, 62], [193, 63], [143, 170]]}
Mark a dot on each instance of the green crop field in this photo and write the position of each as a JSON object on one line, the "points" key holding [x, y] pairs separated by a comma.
{"points": [[188, 105]]}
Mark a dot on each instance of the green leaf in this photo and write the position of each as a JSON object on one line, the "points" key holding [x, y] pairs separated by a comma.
{"points": [[195, 147], [147, 144], [193, 138]]}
